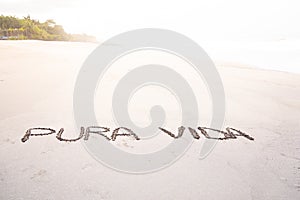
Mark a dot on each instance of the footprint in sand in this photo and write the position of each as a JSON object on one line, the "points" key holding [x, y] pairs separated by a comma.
{"points": [[42, 172]]}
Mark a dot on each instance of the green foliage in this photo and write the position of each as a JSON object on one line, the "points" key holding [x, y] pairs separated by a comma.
{"points": [[14, 28]]}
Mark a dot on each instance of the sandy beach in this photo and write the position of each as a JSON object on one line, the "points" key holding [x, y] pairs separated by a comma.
{"points": [[36, 88]]}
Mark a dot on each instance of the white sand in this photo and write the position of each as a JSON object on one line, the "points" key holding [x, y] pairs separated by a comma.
{"points": [[36, 88]]}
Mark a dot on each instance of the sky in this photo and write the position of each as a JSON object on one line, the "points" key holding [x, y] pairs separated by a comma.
{"points": [[199, 19]]}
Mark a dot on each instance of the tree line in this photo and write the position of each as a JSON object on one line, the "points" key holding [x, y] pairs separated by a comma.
{"points": [[14, 28]]}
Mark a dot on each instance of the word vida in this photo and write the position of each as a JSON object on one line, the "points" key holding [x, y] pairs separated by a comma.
{"points": [[230, 133]]}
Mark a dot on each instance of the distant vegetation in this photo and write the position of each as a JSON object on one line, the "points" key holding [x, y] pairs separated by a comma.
{"points": [[13, 28]]}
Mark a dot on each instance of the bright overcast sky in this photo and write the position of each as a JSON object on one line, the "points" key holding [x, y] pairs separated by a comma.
{"points": [[209, 19]]}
